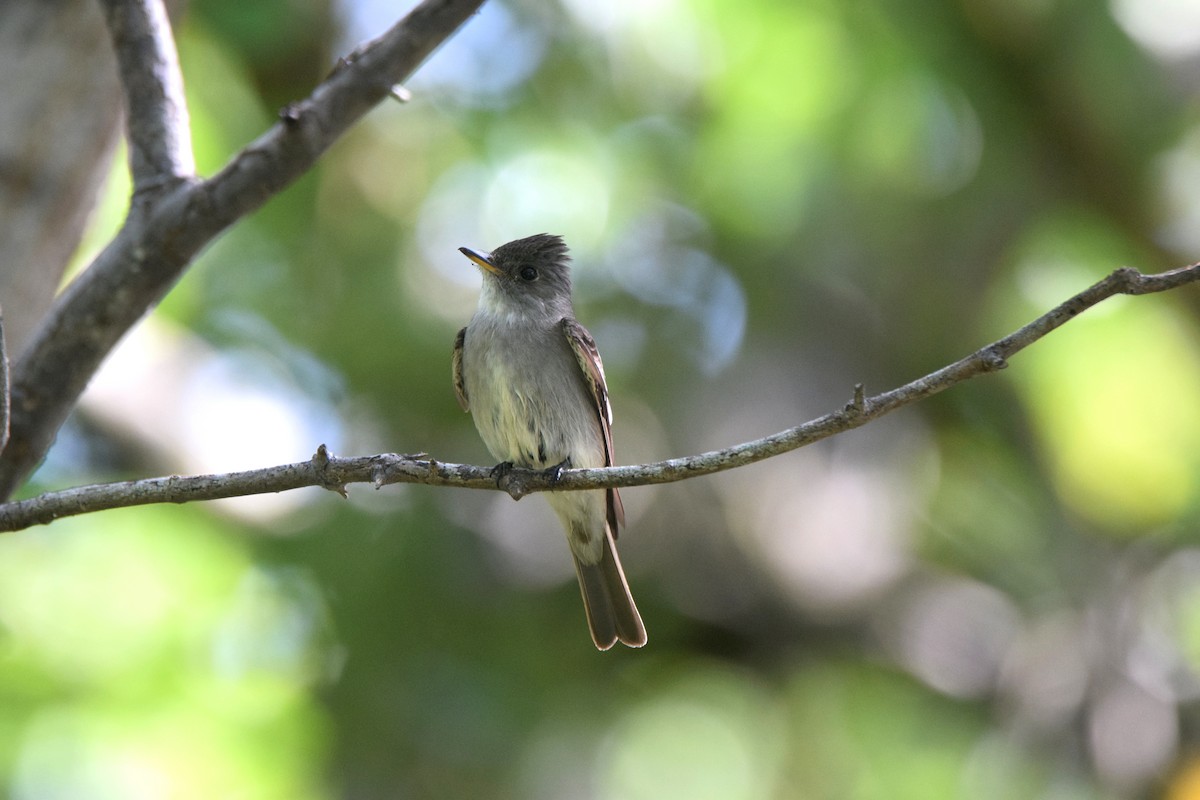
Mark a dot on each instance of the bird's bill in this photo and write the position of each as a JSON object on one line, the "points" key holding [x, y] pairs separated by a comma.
{"points": [[481, 258]]}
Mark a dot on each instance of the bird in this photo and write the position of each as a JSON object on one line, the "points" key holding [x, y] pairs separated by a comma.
{"points": [[531, 377]]}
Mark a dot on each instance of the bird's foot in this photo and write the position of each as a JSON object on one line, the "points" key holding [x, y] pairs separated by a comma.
{"points": [[508, 480], [500, 473], [555, 473]]}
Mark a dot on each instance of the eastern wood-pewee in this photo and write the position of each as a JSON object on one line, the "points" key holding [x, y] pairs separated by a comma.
{"points": [[532, 379]]}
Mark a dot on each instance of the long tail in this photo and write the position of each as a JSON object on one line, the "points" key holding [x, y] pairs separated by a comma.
{"points": [[611, 613]]}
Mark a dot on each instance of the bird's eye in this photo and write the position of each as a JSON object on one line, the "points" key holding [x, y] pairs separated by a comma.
{"points": [[528, 274]]}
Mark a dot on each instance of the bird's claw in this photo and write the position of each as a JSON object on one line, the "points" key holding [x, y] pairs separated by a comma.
{"points": [[555, 473], [500, 472]]}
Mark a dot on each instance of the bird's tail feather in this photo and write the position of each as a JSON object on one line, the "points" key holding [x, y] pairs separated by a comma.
{"points": [[611, 613]]}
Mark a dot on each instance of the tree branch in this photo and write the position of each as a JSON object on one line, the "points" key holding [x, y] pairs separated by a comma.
{"points": [[154, 247], [160, 141], [333, 473]]}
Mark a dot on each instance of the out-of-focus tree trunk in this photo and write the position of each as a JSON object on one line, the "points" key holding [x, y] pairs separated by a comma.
{"points": [[60, 107]]}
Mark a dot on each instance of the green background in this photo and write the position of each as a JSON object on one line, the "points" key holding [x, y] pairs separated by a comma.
{"points": [[993, 594]]}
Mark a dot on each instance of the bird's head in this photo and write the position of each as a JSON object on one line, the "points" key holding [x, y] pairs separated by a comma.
{"points": [[525, 279]]}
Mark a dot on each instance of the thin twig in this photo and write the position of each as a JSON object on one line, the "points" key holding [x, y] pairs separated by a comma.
{"points": [[160, 141], [334, 473], [154, 248]]}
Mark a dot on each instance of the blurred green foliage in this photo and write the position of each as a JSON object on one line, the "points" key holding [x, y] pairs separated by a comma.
{"points": [[993, 595]]}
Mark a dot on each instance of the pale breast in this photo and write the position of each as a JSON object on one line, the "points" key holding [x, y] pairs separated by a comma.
{"points": [[533, 410]]}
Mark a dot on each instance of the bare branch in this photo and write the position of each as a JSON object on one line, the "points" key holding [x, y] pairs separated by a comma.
{"points": [[160, 142], [333, 473], [155, 247]]}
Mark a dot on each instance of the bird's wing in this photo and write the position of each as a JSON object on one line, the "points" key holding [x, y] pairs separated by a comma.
{"points": [[584, 347], [456, 364]]}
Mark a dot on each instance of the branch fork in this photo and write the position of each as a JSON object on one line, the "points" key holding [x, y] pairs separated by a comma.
{"points": [[174, 214]]}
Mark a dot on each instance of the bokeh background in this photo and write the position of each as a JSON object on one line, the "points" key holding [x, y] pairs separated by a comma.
{"points": [[994, 594]]}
